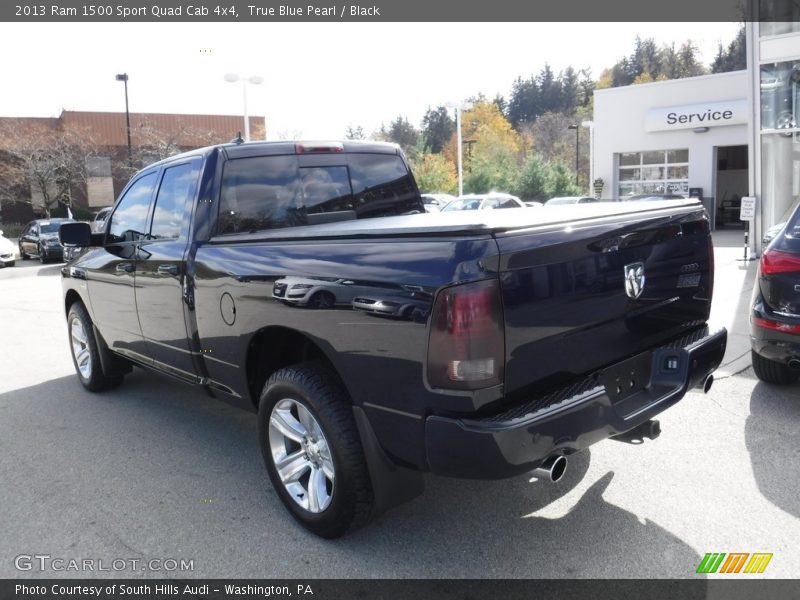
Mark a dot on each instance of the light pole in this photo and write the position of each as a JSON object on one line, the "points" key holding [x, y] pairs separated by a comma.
{"points": [[590, 126], [254, 80], [577, 156], [459, 106], [123, 77]]}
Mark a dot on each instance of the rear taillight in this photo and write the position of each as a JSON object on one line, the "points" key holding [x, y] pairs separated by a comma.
{"points": [[775, 261], [466, 349], [775, 325]]}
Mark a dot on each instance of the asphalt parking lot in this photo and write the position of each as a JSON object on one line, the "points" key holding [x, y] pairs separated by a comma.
{"points": [[156, 470]]}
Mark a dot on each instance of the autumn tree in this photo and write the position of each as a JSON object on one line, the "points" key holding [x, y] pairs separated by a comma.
{"points": [[434, 173]]}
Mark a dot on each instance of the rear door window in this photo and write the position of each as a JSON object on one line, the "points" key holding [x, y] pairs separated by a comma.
{"points": [[170, 218], [273, 192]]}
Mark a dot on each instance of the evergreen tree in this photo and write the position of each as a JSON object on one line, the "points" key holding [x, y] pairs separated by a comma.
{"points": [[437, 129]]}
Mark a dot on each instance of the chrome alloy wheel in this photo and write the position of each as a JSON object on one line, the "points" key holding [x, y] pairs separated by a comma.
{"points": [[301, 455], [80, 348]]}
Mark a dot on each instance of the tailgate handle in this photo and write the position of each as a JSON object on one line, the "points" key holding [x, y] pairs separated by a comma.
{"points": [[167, 269]]}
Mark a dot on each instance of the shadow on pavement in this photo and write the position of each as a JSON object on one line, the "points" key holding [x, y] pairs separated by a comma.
{"points": [[772, 436], [156, 469], [50, 271]]}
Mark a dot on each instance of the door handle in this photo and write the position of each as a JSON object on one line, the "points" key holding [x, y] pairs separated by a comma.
{"points": [[168, 270], [126, 268]]}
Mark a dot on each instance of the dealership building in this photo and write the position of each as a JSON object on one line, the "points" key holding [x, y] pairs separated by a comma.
{"points": [[716, 137]]}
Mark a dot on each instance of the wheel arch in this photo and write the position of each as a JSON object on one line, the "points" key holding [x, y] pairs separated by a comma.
{"points": [[70, 298], [274, 347]]}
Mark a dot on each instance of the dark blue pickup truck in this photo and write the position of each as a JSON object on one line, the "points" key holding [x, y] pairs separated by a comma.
{"points": [[305, 282]]}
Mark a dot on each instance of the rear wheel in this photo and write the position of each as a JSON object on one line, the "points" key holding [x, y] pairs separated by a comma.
{"points": [[770, 371], [312, 450], [85, 353]]}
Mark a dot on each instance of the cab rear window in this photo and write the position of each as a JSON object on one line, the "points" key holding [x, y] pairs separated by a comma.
{"points": [[273, 192]]}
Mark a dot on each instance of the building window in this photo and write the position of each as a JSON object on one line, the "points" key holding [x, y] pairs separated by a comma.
{"points": [[654, 172], [778, 17]]}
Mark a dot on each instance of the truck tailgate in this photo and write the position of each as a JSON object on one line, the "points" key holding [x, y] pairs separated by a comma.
{"points": [[582, 295]]}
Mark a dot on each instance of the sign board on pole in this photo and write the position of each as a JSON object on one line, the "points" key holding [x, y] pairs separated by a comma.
{"points": [[747, 212]]}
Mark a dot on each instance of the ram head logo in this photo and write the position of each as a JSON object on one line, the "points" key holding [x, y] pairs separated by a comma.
{"points": [[634, 279]]}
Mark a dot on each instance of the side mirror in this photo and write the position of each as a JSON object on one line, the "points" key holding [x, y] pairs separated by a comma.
{"points": [[75, 234]]}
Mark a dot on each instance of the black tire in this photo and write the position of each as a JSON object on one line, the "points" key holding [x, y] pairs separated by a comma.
{"points": [[42, 255], [93, 379], [22, 254], [322, 300], [317, 389], [770, 371], [11, 264]]}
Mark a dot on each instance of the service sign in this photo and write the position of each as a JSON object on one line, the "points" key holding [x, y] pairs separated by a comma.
{"points": [[693, 116]]}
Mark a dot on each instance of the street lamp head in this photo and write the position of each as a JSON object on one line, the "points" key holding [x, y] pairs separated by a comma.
{"points": [[256, 80], [572, 126], [122, 77], [232, 77]]}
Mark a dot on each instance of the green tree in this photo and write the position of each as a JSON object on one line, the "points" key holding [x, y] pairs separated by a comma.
{"points": [[491, 172], [732, 58], [437, 128], [434, 173], [561, 181], [531, 183], [401, 132], [355, 133]]}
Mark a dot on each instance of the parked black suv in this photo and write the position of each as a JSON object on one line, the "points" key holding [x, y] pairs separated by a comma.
{"points": [[775, 316]]}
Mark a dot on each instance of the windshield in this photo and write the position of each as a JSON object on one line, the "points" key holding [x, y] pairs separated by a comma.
{"points": [[51, 227], [463, 204]]}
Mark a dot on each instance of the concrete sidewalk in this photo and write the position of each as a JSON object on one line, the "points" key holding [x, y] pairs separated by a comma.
{"points": [[733, 285]]}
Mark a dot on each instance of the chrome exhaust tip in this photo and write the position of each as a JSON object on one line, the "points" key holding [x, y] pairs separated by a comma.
{"points": [[708, 382], [552, 468]]}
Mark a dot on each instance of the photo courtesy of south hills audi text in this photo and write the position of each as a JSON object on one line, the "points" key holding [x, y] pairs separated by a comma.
{"points": [[74, 591]]}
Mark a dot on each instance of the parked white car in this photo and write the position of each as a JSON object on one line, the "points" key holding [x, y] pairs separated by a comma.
{"points": [[491, 201], [318, 292], [8, 252]]}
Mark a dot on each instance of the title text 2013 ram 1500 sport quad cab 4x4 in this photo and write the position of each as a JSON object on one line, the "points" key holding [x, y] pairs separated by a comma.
{"points": [[532, 335]]}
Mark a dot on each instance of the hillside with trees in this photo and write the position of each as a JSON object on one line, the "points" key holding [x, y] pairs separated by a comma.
{"points": [[526, 143]]}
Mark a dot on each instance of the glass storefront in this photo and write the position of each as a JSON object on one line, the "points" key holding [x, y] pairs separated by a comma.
{"points": [[654, 172], [780, 139]]}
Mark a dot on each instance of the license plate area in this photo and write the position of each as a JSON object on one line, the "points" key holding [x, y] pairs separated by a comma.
{"points": [[625, 379]]}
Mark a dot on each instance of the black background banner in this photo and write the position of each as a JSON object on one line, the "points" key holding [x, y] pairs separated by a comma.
{"points": [[742, 587], [380, 11]]}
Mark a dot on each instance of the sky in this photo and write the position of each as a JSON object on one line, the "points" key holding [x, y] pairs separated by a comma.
{"points": [[319, 78]]}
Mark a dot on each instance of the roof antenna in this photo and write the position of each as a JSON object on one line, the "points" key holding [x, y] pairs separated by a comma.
{"points": [[238, 139]]}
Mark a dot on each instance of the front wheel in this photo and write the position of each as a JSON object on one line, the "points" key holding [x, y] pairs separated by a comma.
{"points": [[312, 450], [22, 254], [770, 371], [42, 255], [85, 353]]}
